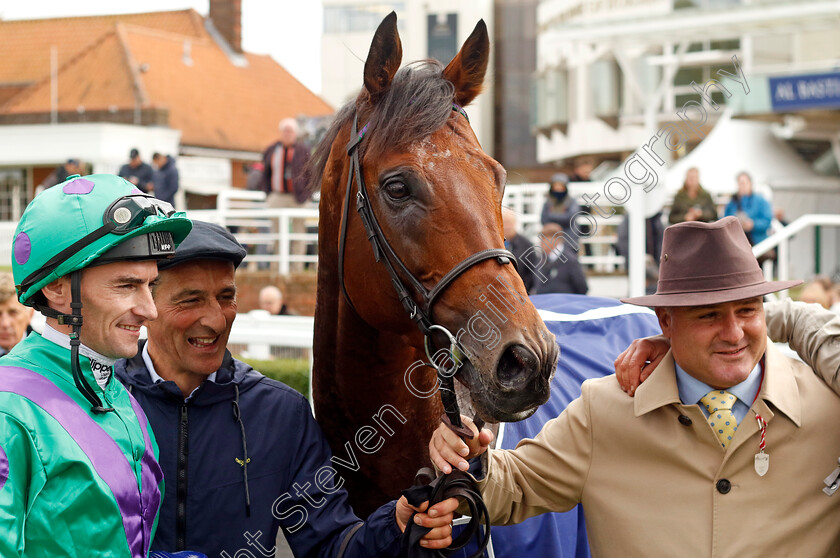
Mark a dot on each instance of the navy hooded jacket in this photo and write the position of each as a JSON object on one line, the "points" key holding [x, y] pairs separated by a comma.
{"points": [[291, 482]]}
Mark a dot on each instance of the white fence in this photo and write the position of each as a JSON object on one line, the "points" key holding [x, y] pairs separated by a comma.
{"points": [[261, 336], [597, 251], [271, 243], [268, 234], [780, 240], [7, 232], [265, 231]]}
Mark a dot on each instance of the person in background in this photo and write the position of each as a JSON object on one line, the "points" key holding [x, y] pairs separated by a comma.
{"points": [[14, 316], [242, 453], [254, 176], [518, 245], [137, 172], [692, 202], [166, 179], [751, 209], [283, 163], [559, 207], [582, 170], [271, 299], [283, 182], [60, 174], [562, 272], [654, 232]]}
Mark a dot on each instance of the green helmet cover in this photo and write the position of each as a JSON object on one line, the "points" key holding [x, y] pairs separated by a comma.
{"points": [[64, 214]]}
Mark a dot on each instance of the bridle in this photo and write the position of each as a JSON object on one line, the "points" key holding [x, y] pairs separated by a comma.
{"points": [[382, 251]]}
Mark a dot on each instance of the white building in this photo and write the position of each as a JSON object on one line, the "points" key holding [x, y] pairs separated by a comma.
{"points": [[610, 72], [615, 77], [429, 28]]}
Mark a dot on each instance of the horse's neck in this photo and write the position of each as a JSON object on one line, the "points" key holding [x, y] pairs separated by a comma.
{"points": [[351, 358], [369, 366]]}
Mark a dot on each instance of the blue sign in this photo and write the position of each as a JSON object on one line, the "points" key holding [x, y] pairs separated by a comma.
{"points": [[805, 92]]}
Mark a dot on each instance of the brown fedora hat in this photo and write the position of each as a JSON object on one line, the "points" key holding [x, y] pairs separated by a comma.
{"points": [[708, 263]]}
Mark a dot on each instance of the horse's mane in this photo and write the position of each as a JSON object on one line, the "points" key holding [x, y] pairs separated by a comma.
{"points": [[417, 103]]}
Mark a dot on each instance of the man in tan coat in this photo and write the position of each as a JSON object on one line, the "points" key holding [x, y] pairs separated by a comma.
{"points": [[654, 475]]}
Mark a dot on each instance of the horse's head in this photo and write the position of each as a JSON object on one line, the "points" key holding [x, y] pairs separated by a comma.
{"points": [[435, 197]]}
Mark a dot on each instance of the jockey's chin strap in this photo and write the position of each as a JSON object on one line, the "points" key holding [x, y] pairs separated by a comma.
{"points": [[421, 314], [74, 319]]}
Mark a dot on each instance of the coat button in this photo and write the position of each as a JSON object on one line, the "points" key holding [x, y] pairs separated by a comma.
{"points": [[684, 420], [724, 486]]}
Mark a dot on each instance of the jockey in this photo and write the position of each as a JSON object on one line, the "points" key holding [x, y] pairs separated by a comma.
{"points": [[78, 462]]}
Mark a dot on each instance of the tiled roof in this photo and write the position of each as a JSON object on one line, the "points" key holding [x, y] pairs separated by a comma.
{"points": [[26, 44], [96, 78], [177, 66]]}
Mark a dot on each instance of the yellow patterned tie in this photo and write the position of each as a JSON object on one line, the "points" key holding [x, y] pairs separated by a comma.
{"points": [[719, 404]]}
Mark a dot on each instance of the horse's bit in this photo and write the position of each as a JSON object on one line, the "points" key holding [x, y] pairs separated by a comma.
{"points": [[422, 315]]}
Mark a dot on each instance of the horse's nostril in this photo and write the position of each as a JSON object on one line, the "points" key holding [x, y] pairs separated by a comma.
{"points": [[517, 366]]}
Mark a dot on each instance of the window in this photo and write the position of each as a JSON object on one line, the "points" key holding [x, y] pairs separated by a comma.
{"points": [[12, 194], [551, 98], [701, 74], [360, 18]]}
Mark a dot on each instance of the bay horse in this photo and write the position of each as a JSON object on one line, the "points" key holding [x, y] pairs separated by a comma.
{"points": [[404, 155]]}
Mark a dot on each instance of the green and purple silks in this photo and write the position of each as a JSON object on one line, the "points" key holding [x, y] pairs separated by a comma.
{"points": [[72, 482]]}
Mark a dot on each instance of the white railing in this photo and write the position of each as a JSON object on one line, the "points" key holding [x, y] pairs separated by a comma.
{"points": [[268, 232], [7, 233], [260, 332], [527, 201], [269, 229], [781, 241]]}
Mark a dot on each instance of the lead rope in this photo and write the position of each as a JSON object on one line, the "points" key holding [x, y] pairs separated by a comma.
{"points": [[455, 484]]}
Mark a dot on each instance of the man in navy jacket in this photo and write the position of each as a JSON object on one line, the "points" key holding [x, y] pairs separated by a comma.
{"points": [[166, 178], [242, 454]]}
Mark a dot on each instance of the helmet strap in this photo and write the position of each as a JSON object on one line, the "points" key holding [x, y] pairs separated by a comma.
{"points": [[76, 322]]}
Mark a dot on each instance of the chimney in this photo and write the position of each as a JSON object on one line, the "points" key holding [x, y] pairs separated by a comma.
{"points": [[227, 18]]}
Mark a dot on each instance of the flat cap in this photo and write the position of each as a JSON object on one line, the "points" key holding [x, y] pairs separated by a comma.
{"points": [[206, 241], [560, 177]]}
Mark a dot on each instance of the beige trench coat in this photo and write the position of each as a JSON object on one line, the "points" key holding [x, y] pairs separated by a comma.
{"points": [[655, 482]]}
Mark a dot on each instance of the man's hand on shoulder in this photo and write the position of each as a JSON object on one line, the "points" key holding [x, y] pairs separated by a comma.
{"points": [[635, 364]]}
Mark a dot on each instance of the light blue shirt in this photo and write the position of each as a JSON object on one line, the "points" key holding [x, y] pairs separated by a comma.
{"points": [[156, 379], [692, 390]]}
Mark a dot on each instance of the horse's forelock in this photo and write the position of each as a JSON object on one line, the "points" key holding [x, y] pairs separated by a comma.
{"points": [[417, 103]]}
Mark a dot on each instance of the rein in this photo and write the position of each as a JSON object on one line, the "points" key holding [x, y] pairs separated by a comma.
{"points": [[382, 251]]}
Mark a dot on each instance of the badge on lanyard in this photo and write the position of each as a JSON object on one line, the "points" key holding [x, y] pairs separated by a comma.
{"points": [[762, 459]]}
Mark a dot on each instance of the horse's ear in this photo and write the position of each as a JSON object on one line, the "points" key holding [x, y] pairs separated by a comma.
{"points": [[467, 69], [384, 57]]}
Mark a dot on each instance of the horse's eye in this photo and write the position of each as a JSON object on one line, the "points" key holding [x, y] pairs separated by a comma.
{"points": [[396, 190]]}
